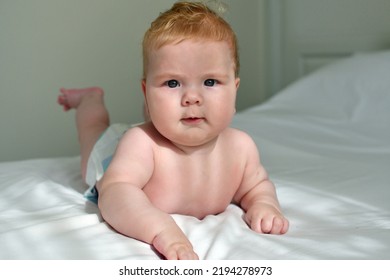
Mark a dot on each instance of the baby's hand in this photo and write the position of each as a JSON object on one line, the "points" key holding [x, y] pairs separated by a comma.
{"points": [[174, 245], [266, 218]]}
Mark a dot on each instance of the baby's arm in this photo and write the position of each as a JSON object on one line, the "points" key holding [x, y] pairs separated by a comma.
{"points": [[125, 206], [257, 196]]}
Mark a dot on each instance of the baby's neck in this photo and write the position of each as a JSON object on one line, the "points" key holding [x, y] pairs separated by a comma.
{"points": [[204, 149]]}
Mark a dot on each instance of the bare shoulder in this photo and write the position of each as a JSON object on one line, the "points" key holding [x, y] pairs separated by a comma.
{"points": [[135, 144], [240, 140], [140, 134], [134, 153]]}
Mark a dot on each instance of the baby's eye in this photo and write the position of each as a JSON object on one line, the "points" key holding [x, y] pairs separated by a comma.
{"points": [[210, 82], [172, 83]]}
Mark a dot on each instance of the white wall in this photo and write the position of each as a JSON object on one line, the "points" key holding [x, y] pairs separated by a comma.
{"points": [[48, 44], [307, 34]]}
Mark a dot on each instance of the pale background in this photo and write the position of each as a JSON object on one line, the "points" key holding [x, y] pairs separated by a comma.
{"points": [[48, 44]]}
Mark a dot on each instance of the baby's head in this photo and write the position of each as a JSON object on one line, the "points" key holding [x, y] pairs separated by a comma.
{"points": [[188, 20]]}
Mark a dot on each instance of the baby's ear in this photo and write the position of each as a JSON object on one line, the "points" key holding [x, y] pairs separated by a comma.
{"points": [[143, 86], [237, 82]]}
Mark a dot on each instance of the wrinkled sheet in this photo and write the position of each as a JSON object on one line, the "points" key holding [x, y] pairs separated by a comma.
{"points": [[325, 142]]}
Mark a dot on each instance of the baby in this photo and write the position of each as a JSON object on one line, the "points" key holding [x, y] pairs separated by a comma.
{"points": [[185, 159]]}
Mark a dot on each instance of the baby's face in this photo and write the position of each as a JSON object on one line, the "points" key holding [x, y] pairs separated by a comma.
{"points": [[190, 90]]}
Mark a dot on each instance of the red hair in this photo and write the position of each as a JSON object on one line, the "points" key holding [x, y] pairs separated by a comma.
{"points": [[188, 20]]}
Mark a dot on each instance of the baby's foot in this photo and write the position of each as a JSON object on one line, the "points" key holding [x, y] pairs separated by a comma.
{"points": [[71, 98]]}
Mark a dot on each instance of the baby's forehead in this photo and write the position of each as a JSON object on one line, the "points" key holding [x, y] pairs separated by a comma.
{"points": [[222, 48], [204, 44]]}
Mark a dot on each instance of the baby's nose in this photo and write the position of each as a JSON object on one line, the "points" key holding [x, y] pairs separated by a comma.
{"points": [[192, 97]]}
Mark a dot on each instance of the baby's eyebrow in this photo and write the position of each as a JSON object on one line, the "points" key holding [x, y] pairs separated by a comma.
{"points": [[216, 74], [167, 75]]}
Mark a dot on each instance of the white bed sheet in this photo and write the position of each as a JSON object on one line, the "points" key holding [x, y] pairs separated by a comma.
{"points": [[325, 142]]}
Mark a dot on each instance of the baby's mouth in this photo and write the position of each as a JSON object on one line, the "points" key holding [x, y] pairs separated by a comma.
{"points": [[192, 120]]}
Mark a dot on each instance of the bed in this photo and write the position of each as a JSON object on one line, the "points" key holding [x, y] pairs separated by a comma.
{"points": [[325, 141]]}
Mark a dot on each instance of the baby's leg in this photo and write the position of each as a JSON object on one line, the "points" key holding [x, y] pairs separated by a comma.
{"points": [[91, 117]]}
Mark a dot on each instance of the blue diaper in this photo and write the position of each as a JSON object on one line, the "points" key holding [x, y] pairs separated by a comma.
{"points": [[101, 156]]}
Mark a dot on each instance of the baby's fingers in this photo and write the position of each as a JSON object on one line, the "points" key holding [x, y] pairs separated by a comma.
{"points": [[275, 225], [268, 225], [187, 255], [181, 252]]}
